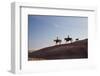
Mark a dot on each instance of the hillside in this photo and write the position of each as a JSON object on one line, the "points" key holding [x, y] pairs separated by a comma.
{"points": [[78, 49]]}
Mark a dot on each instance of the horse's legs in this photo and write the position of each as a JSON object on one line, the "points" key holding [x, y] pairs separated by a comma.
{"points": [[60, 42], [66, 41], [71, 40], [56, 42]]}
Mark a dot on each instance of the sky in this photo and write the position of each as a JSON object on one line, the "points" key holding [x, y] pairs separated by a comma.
{"points": [[42, 30]]}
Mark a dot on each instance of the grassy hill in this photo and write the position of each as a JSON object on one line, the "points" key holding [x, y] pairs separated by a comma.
{"points": [[78, 49]]}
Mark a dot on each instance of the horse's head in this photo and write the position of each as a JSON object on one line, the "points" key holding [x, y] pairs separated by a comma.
{"points": [[65, 38], [54, 40]]}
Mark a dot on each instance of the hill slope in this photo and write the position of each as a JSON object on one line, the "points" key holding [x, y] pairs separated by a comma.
{"points": [[78, 49]]}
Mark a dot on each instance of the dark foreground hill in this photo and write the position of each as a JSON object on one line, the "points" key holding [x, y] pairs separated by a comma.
{"points": [[78, 49]]}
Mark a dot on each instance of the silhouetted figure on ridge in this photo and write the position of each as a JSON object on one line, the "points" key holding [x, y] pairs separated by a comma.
{"points": [[58, 41], [77, 39], [68, 39]]}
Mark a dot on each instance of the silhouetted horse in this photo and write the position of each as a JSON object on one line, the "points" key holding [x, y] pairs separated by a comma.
{"points": [[58, 41], [68, 39], [77, 39]]}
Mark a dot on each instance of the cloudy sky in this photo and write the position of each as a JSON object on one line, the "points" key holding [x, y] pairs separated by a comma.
{"points": [[42, 30]]}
